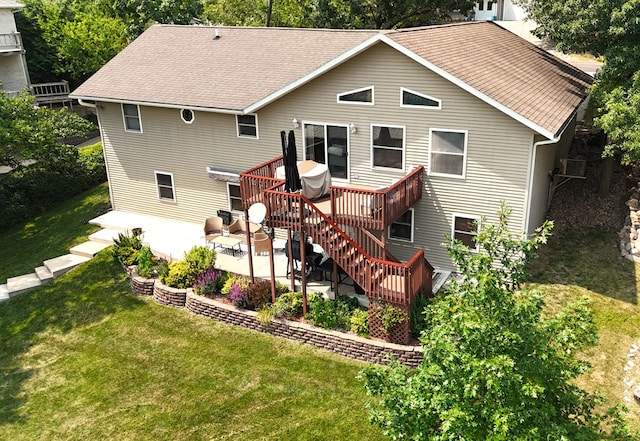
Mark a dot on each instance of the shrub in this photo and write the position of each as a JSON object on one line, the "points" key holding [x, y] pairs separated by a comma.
{"points": [[359, 322], [235, 288], [146, 262], [179, 275], [210, 282], [389, 316], [259, 294], [417, 319], [127, 247], [200, 260], [332, 314], [289, 304]]}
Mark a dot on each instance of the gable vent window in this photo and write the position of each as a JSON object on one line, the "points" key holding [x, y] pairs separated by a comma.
{"points": [[409, 98], [362, 96], [187, 116]]}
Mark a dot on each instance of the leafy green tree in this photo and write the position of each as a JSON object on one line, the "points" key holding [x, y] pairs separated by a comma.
{"points": [[286, 13], [609, 29], [31, 132], [495, 366], [138, 15], [386, 14]]}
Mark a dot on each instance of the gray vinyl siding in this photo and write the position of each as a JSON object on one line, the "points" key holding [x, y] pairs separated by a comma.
{"points": [[498, 154], [498, 150]]}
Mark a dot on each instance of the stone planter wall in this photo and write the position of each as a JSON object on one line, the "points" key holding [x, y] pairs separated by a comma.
{"points": [[344, 344], [142, 286], [166, 295]]}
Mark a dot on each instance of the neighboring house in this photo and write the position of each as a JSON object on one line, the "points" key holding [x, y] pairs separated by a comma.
{"points": [[498, 10], [487, 114], [14, 76]]}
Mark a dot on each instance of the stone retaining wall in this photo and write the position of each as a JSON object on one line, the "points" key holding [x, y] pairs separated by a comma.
{"points": [[344, 344], [142, 286], [170, 296]]}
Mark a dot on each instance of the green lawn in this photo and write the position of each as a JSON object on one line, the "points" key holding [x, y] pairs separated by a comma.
{"points": [[588, 263], [25, 247]]}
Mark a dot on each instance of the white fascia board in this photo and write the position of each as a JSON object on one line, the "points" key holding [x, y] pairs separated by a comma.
{"points": [[314, 74], [447, 76], [152, 104]]}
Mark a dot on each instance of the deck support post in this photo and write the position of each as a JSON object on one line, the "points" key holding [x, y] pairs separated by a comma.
{"points": [[290, 263], [272, 269], [249, 254]]}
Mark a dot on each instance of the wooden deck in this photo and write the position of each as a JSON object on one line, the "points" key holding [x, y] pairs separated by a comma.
{"points": [[361, 254]]}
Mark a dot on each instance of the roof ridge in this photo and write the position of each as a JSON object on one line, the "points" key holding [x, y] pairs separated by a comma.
{"points": [[264, 28]]}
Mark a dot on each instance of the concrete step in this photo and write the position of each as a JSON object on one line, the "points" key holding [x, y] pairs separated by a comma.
{"points": [[106, 236], [18, 284], [88, 249], [61, 264], [4, 292], [44, 274]]}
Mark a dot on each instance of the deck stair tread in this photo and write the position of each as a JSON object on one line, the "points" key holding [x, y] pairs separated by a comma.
{"points": [[61, 264], [440, 277], [4, 292], [44, 274], [105, 235], [18, 284], [88, 249]]}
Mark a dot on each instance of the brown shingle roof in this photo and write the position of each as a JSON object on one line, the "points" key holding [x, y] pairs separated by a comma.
{"points": [[247, 67], [186, 66], [505, 68]]}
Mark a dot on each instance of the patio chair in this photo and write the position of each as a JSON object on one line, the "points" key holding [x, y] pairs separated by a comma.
{"points": [[261, 243], [212, 228]]}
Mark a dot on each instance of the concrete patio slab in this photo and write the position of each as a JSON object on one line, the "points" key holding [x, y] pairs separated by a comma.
{"points": [[88, 249], [18, 284], [106, 236], [44, 274], [4, 292], [61, 264]]}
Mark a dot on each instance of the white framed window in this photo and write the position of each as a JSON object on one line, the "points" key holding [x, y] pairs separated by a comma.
{"points": [[247, 126], [234, 196], [402, 228], [188, 116], [447, 152], [131, 118], [387, 146], [465, 229], [363, 97], [166, 189], [415, 100]]}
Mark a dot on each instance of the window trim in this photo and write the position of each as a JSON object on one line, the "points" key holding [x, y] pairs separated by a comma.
{"points": [[193, 116], [464, 154], [413, 228], [422, 95], [236, 184], [357, 103], [476, 218], [404, 147], [239, 135], [326, 146], [124, 118], [173, 186]]}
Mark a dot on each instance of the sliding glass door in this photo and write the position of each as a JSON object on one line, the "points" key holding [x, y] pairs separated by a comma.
{"points": [[328, 144]]}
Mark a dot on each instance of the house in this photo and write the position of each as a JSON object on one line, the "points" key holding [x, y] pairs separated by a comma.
{"points": [[498, 10], [14, 76], [424, 130]]}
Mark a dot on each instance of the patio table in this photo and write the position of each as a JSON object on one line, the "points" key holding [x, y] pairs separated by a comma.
{"points": [[227, 242]]}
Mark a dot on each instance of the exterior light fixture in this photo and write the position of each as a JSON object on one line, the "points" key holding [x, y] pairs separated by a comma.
{"points": [[352, 128], [295, 123]]}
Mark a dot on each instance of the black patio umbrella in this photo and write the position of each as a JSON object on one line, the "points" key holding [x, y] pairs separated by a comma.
{"points": [[292, 175]]}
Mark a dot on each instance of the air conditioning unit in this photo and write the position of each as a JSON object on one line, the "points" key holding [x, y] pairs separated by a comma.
{"points": [[573, 168]]}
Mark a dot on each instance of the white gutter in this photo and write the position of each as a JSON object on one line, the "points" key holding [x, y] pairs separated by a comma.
{"points": [[531, 173], [86, 103], [84, 99]]}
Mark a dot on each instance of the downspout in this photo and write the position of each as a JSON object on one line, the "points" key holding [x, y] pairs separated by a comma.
{"points": [[531, 176]]}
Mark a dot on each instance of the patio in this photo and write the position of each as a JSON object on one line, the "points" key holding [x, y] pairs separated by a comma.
{"points": [[170, 239]]}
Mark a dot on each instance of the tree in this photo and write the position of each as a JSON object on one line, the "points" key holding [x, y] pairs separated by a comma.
{"points": [[138, 15], [495, 367], [609, 29], [287, 13], [31, 132], [386, 14]]}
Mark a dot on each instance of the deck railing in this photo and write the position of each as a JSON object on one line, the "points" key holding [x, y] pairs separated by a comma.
{"points": [[10, 42], [49, 93], [376, 209], [363, 258]]}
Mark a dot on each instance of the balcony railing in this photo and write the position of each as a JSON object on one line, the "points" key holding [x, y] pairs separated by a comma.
{"points": [[49, 93], [10, 42]]}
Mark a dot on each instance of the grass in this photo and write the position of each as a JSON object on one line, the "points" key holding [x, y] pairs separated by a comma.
{"points": [[83, 358], [588, 263], [25, 247]]}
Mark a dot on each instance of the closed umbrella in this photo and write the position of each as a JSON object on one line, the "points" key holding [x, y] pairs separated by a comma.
{"points": [[292, 175]]}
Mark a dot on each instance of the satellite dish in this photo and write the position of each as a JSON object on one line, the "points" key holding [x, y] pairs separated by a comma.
{"points": [[257, 212]]}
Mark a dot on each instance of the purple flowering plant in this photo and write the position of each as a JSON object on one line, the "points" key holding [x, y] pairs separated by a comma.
{"points": [[209, 282]]}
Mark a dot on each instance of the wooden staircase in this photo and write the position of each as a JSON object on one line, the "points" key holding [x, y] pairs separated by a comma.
{"points": [[364, 258]]}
